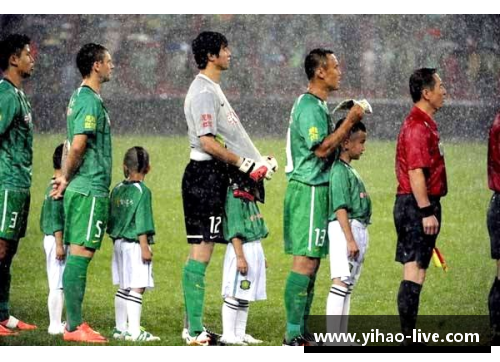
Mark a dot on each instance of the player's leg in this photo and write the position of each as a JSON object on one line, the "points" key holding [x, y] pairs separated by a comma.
{"points": [[121, 296], [493, 221], [55, 300], [230, 304]]}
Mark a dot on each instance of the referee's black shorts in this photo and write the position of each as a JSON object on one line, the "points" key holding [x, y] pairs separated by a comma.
{"points": [[204, 188], [494, 225], [413, 244]]}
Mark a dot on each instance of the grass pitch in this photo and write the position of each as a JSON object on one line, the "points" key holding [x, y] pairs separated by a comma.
{"points": [[463, 240]]}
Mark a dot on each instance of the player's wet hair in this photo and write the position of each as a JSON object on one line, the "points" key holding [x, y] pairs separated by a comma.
{"points": [[57, 157], [207, 42], [421, 79], [87, 56], [315, 59], [12, 44], [136, 160], [360, 126]]}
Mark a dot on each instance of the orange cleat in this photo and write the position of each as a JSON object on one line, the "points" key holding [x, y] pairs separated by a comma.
{"points": [[84, 333], [6, 332], [14, 323]]}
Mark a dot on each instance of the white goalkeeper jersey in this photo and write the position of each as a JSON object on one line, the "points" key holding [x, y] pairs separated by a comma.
{"points": [[208, 111]]}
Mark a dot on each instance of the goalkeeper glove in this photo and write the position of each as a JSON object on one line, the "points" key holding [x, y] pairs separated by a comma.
{"points": [[349, 103], [256, 170]]}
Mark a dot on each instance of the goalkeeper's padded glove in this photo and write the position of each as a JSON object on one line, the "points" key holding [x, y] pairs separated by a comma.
{"points": [[256, 170], [349, 103], [273, 163]]}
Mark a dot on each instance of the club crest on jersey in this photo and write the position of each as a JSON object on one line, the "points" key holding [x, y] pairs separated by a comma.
{"points": [[232, 118], [313, 134], [245, 284]]}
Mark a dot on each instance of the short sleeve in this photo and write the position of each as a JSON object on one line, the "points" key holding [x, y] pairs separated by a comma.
{"points": [[144, 215], [9, 106], [204, 109], [416, 144], [339, 189], [313, 125], [86, 117]]}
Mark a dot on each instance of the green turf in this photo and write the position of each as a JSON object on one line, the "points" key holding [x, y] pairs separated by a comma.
{"points": [[464, 242]]}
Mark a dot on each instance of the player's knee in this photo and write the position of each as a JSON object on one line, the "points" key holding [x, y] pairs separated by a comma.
{"points": [[337, 281]]}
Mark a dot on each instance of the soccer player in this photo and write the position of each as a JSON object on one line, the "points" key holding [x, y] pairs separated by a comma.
{"points": [[132, 229], [16, 155], [52, 226], [494, 225], [310, 147], [421, 175], [244, 278], [349, 215], [218, 141], [85, 180]]}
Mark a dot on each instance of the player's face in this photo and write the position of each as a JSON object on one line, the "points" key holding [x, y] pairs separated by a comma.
{"points": [[332, 73], [437, 95], [224, 58], [25, 62], [105, 68], [356, 145]]}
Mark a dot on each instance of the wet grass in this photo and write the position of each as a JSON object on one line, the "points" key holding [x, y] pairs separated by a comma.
{"points": [[464, 242]]}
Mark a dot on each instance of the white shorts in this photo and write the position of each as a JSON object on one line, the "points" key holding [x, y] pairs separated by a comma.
{"points": [[249, 287], [129, 271], [55, 268], [340, 265]]}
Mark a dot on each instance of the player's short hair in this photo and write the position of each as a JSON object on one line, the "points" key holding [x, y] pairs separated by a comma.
{"points": [[87, 56], [359, 126], [315, 59], [207, 42], [421, 79], [57, 157], [12, 44], [136, 160]]}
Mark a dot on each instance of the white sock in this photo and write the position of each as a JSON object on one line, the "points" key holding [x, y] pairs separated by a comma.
{"points": [[121, 297], [55, 304], [134, 309], [242, 318], [229, 314], [346, 310], [335, 307]]}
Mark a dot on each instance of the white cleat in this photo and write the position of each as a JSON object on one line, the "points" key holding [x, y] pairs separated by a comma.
{"points": [[144, 336], [233, 341], [185, 333], [202, 339], [57, 329], [250, 340], [118, 335]]}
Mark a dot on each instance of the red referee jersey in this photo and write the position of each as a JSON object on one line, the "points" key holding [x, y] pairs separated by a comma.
{"points": [[494, 156], [418, 147]]}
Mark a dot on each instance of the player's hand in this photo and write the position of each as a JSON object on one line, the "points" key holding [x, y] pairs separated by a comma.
{"points": [[146, 254], [273, 166], [431, 225], [58, 186], [241, 265], [352, 250], [356, 113], [60, 253], [256, 170]]}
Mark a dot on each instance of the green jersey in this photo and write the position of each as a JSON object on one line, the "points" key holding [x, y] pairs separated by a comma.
{"points": [[131, 212], [52, 215], [310, 123], [347, 191], [16, 138], [87, 115]]}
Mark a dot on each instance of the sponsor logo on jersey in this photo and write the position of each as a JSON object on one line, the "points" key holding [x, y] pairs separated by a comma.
{"points": [[232, 118], [313, 134], [206, 120], [89, 122], [245, 284]]}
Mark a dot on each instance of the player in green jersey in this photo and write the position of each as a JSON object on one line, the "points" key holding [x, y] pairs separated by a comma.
{"points": [[349, 215], [16, 139], [132, 228], [52, 227], [311, 143], [85, 180]]}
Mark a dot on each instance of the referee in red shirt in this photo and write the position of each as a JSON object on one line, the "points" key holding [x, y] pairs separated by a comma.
{"points": [[494, 225], [421, 175]]}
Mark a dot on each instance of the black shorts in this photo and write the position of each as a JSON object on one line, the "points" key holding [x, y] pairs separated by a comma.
{"points": [[204, 188], [494, 225], [413, 244]]}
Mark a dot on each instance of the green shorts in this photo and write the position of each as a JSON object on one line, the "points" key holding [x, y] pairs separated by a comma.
{"points": [[243, 219], [85, 219], [306, 220], [14, 208]]}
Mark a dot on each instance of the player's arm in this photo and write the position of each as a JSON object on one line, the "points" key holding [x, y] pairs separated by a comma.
{"points": [[352, 246], [73, 161], [60, 254], [146, 254], [419, 190], [241, 262], [333, 140]]}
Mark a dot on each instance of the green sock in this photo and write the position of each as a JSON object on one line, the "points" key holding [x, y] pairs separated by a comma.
{"points": [[74, 281], [193, 283], [307, 310], [4, 292], [295, 303]]}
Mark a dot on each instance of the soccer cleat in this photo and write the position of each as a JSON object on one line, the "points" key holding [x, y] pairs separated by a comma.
{"points": [[84, 333], [14, 323], [144, 336], [6, 332], [234, 341], [297, 341], [250, 340], [185, 333], [117, 334], [202, 339], [309, 337], [57, 329]]}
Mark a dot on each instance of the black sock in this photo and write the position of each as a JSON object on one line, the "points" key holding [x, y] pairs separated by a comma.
{"points": [[494, 306], [408, 300]]}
